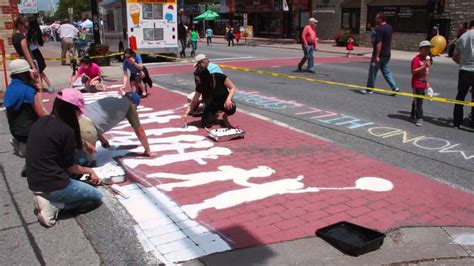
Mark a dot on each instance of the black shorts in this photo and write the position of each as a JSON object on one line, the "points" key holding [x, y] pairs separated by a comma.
{"points": [[209, 116], [39, 60], [135, 77]]}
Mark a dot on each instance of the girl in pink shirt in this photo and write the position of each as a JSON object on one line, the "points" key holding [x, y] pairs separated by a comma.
{"points": [[91, 75]]}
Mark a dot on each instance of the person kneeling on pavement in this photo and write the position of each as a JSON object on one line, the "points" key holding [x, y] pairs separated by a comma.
{"points": [[23, 103], [90, 74], [106, 113], [50, 158], [217, 91]]}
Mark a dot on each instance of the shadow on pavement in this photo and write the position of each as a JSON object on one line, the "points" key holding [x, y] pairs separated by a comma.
{"points": [[437, 121], [257, 255]]}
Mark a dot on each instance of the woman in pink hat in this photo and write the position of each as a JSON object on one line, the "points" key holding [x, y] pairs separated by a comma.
{"points": [[50, 159]]}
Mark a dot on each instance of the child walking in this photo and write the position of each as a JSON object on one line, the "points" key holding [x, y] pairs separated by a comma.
{"points": [[350, 45], [420, 66]]}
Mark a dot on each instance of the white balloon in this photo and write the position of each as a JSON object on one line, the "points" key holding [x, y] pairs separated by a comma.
{"points": [[374, 184]]}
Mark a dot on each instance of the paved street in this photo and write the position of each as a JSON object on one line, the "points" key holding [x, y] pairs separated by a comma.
{"points": [[313, 154], [441, 152]]}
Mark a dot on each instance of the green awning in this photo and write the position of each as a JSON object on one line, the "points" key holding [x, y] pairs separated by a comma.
{"points": [[208, 15]]}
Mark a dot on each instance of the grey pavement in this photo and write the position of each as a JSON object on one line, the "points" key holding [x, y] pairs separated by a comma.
{"points": [[106, 235], [435, 245]]}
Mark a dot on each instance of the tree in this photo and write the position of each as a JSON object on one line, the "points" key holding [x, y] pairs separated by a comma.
{"points": [[79, 6]]}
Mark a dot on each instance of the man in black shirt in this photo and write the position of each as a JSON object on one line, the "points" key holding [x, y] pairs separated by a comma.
{"points": [[217, 91], [381, 55]]}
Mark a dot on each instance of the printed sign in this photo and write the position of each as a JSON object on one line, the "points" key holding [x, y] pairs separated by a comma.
{"points": [[27, 7]]}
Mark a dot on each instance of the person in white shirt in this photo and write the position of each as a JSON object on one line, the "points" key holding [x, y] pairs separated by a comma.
{"points": [[67, 33]]}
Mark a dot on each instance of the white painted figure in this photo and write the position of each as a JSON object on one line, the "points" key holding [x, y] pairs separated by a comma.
{"points": [[226, 172], [285, 186], [198, 156]]}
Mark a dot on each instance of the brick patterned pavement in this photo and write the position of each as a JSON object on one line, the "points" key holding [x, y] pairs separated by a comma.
{"points": [[415, 200]]}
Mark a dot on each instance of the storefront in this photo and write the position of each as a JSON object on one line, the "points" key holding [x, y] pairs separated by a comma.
{"points": [[272, 19]]}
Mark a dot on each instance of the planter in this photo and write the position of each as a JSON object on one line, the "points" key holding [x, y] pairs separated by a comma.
{"points": [[99, 50]]}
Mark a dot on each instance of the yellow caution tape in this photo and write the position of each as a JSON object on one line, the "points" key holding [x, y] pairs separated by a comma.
{"points": [[351, 86], [263, 72]]}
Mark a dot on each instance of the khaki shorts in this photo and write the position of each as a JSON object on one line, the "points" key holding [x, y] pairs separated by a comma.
{"points": [[132, 116], [89, 132]]}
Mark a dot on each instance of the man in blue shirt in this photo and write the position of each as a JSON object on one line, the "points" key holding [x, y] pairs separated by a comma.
{"points": [[209, 35]]}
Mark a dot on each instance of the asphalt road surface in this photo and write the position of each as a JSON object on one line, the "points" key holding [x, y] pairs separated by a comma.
{"points": [[375, 125]]}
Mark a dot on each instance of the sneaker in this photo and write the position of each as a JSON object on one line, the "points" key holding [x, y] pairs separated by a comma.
{"points": [[46, 212], [419, 122], [395, 90], [366, 92], [19, 148]]}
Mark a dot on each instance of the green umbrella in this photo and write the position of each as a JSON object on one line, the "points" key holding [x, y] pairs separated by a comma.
{"points": [[208, 15]]}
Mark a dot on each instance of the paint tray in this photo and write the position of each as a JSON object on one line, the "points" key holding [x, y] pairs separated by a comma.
{"points": [[350, 238], [225, 134]]}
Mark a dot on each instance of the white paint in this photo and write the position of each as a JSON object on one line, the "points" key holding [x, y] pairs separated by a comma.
{"points": [[93, 97], [238, 175], [198, 156], [286, 186], [464, 239], [423, 143], [374, 184]]}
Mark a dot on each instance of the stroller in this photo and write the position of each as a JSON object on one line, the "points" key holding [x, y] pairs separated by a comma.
{"points": [[81, 47]]}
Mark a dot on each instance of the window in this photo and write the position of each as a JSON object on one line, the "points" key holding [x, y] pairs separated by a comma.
{"points": [[411, 19], [109, 21], [153, 34], [351, 19], [152, 11]]}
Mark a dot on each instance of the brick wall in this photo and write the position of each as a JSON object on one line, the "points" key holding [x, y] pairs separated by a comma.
{"points": [[458, 11], [8, 11], [329, 22], [400, 41]]}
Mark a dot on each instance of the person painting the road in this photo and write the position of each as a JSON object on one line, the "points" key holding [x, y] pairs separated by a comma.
{"points": [[133, 63], [23, 102], [50, 158], [420, 67], [381, 55], [201, 61], [309, 44], [91, 75], [104, 114], [217, 91]]}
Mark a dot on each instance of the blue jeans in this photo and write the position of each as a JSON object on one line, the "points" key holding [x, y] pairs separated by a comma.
{"points": [[308, 55], [75, 195], [194, 46], [374, 68]]}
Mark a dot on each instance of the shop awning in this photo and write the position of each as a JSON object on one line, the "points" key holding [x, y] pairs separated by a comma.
{"points": [[208, 15]]}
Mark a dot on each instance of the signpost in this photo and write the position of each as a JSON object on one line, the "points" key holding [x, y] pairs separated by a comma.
{"points": [[70, 11]]}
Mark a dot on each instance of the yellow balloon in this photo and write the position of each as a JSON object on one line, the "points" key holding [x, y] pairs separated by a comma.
{"points": [[439, 44]]}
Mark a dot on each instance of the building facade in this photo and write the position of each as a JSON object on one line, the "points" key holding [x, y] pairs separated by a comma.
{"points": [[9, 11], [412, 20]]}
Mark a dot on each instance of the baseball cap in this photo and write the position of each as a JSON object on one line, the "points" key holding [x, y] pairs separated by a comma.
{"points": [[198, 58], [134, 97], [73, 97], [312, 20], [19, 66], [425, 43]]}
